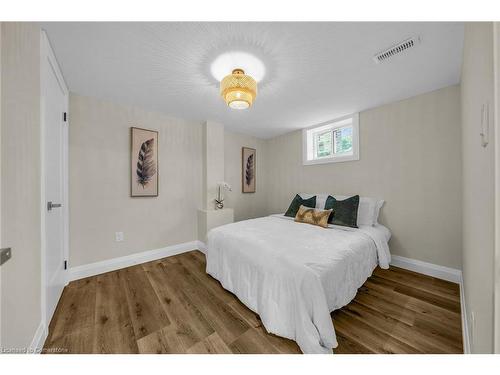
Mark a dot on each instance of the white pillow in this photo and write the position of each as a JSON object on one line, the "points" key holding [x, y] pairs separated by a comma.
{"points": [[380, 203], [320, 199], [368, 209]]}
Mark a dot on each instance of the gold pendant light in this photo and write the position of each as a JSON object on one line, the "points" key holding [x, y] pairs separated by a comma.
{"points": [[238, 89]]}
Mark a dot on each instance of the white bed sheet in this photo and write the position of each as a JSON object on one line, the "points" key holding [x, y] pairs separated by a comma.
{"points": [[294, 274]]}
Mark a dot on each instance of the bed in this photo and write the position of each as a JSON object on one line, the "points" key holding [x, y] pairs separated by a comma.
{"points": [[293, 274]]}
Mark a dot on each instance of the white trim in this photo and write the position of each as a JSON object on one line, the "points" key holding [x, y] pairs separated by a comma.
{"points": [[465, 324], [446, 273], [48, 60], [39, 338], [0, 181], [79, 272], [429, 269], [43, 263], [496, 141], [331, 124], [202, 247]]}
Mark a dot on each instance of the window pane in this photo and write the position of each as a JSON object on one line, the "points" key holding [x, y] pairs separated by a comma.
{"points": [[343, 140], [324, 144], [334, 141]]}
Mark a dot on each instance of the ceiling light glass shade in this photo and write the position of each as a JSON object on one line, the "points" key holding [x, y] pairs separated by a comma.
{"points": [[238, 89]]}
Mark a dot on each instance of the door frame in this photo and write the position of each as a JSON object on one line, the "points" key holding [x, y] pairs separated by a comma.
{"points": [[49, 61], [496, 144]]}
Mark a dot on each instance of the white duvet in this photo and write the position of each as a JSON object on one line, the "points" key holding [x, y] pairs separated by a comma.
{"points": [[293, 274]]}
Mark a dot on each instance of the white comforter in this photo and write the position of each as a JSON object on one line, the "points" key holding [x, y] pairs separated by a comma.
{"points": [[293, 274]]}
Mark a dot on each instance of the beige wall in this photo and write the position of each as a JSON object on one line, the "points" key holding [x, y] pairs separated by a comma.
{"points": [[20, 180], [213, 161], [100, 202], [409, 156], [478, 185], [245, 205]]}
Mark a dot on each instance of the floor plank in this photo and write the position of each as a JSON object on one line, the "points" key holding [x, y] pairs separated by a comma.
{"points": [[221, 316], [197, 267], [173, 306], [76, 342], [190, 323], [348, 346], [146, 311], [420, 339], [443, 288], [75, 311], [114, 332], [386, 307], [386, 291], [253, 342], [164, 341], [212, 344], [375, 339]]}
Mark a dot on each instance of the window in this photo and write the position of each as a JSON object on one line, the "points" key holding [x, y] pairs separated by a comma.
{"points": [[333, 142]]}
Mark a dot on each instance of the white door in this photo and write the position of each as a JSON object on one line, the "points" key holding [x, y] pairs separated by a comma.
{"points": [[54, 120]]}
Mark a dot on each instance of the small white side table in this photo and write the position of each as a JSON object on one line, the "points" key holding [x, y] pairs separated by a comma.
{"points": [[208, 219]]}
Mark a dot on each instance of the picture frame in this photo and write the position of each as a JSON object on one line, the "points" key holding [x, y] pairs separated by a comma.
{"points": [[144, 167], [248, 170]]}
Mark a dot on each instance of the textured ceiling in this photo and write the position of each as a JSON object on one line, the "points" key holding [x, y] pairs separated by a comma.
{"points": [[315, 72]]}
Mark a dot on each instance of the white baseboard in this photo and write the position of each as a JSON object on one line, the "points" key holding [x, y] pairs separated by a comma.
{"points": [[429, 269], [446, 273], [39, 338], [79, 272], [202, 247], [465, 324]]}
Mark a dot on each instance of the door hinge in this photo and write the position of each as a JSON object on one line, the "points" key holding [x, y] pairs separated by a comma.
{"points": [[65, 117], [65, 264], [5, 255]]}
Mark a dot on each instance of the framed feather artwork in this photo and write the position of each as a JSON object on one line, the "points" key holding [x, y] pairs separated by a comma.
{"points": [[248, 169], [144, 163]]}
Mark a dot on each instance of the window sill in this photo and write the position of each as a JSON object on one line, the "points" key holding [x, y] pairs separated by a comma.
{"points": [[335, 159]]}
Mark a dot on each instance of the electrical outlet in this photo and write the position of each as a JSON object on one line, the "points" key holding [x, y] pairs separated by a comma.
{"points": [[118, 236]]}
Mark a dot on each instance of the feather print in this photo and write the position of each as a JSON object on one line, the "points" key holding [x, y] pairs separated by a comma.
{"points": [[146, 167], [249, 170]]}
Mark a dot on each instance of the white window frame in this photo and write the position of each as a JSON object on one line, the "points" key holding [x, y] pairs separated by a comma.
{"points": [[308, 140]]}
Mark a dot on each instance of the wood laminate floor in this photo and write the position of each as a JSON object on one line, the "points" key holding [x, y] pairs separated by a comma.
{"points": [[173, 306]]}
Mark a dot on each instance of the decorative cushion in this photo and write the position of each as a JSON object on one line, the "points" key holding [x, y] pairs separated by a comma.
{"points": [[313, 216], [345, 212], [320, 199], [368, 209], [297, 202]]}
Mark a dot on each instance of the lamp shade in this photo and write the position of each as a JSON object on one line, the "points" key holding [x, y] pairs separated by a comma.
{"points": [[238, 89]]}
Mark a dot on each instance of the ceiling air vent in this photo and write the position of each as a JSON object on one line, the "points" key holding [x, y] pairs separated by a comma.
{"points": [[396, 49]]}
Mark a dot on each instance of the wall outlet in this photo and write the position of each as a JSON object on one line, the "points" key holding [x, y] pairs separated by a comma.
{"points": [[118, 236]]}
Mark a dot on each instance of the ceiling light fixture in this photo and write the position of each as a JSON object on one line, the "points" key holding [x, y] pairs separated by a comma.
{"points": [[238, 89]]}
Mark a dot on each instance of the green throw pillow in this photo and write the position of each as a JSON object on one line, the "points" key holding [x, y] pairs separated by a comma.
{"points": [[297, 202], [345, 212]]}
